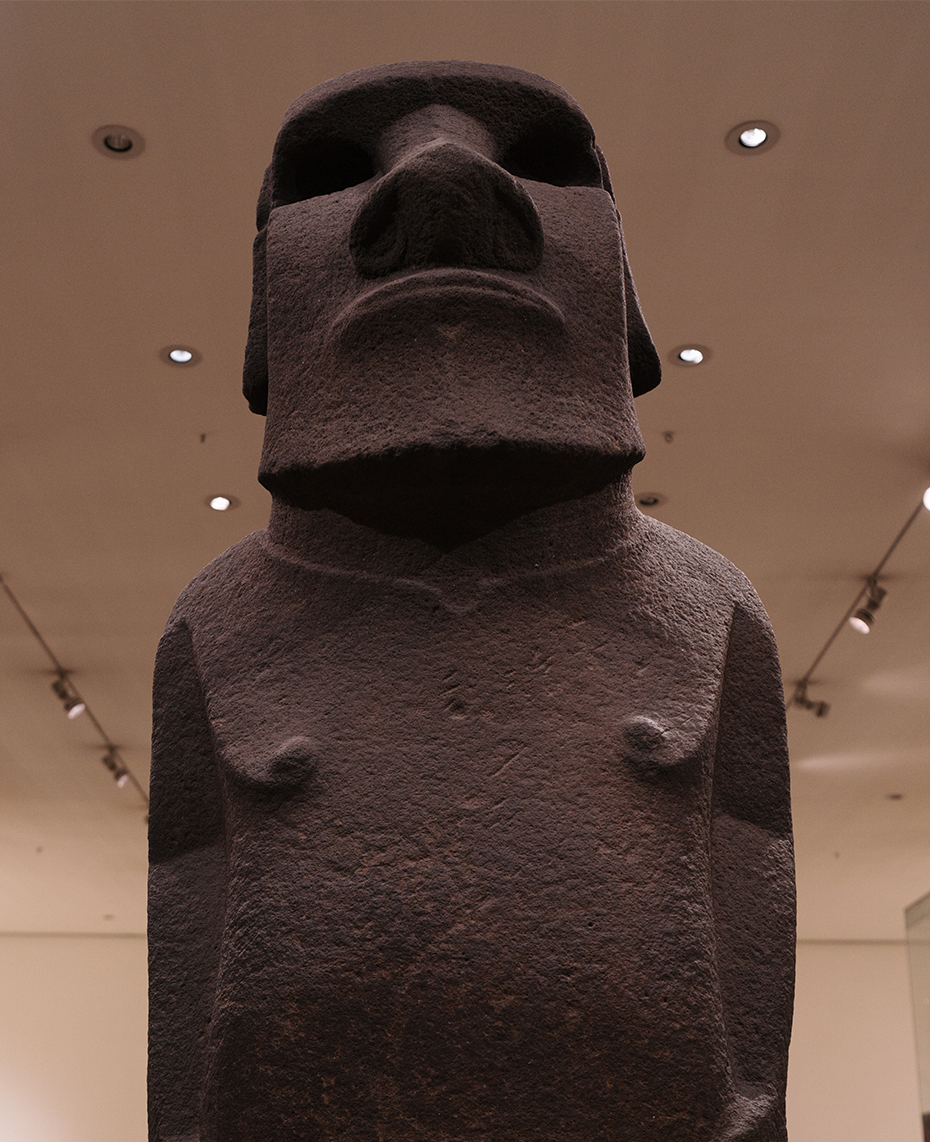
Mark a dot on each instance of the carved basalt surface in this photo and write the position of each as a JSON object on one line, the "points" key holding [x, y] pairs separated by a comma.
{"points": [[469, 799]]}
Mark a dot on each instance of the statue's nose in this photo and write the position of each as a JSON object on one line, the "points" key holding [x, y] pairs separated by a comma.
{"points": [[446, 205]]}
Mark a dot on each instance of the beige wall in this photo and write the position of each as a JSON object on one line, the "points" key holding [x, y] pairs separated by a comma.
{"points": [[72, 1042], [72, 1038], [853, 1073]]}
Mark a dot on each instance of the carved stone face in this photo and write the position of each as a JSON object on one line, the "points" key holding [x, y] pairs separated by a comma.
{"points": [[442, 301]]}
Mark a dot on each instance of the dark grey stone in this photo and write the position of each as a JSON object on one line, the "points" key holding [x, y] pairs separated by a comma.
{"points": [[470, 812]]}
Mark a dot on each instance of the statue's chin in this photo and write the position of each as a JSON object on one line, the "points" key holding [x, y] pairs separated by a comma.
{"points": [[448, 496]]}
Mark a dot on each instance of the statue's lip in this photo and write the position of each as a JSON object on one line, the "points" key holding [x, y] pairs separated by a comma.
{"points": [[443, 283]]}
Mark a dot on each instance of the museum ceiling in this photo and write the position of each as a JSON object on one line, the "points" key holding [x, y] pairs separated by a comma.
{"points": [[798, 448]]}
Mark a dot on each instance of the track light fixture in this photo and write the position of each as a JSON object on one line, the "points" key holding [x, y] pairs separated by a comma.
{"points": [[65, 692], [69, 696], [859, 616], [112, 761], [864, 617], [800, 698], [862, 620]]}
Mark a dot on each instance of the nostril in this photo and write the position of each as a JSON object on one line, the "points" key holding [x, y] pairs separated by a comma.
{"points": [[376, 218], [518, 231], [376, 241]]}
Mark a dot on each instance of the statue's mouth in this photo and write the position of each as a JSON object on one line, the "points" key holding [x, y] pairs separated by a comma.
{"points": [[447, 295]]}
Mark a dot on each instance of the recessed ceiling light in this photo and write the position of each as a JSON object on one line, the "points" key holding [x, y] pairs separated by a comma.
{"points": [[753, 137], [690, 355], [222, 503], [118, 142], [927, 499], [180, 355], [650, 499]]}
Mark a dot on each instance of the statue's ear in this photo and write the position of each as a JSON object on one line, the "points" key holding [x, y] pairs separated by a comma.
{"points": [[605, 173], [645, 367], [255, 372]]}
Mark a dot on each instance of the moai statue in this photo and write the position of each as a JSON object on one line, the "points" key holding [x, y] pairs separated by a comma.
{"points": [[470, 811]]}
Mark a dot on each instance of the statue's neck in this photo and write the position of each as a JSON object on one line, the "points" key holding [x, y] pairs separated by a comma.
{"points": [[558, 535]]}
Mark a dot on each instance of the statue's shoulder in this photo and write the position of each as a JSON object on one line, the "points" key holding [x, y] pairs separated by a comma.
{"points": [[224, 581], [684, 564]]}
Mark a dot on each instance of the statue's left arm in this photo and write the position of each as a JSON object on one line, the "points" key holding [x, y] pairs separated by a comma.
{"points": [[186, 891], [752, 871]]}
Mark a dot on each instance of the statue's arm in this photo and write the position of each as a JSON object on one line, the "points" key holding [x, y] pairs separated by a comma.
{"points": [[753, 878], [186, 891]]}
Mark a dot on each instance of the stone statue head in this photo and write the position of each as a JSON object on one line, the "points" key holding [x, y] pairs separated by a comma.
{"points": [[443, 319]]}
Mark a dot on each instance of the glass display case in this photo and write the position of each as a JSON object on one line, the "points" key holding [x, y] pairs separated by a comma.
{"points": [[917, 921]]}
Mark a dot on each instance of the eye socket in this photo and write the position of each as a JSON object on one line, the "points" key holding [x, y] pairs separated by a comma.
{"points": [[554, 154], [324, 166]]}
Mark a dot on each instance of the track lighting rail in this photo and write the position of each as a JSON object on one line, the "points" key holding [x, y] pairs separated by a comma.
{"points": [[75, 703], [865, 612]]}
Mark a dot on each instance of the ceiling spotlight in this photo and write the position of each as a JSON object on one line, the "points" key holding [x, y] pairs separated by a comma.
{"points": [[180, 355], [864, 617], [650, 499], [222, 503], [111, 759], [753, 137], [118, 142], [73, 705], [927, 499], [689, 355]]}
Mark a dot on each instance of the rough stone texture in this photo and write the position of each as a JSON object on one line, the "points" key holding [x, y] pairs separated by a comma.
{"points": [[470, 806]]}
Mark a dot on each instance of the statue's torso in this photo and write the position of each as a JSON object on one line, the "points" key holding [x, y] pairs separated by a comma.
{"points": [[467, 883]]}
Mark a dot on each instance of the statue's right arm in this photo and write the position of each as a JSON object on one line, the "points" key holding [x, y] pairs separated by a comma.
{"points": [[187, 875]]}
